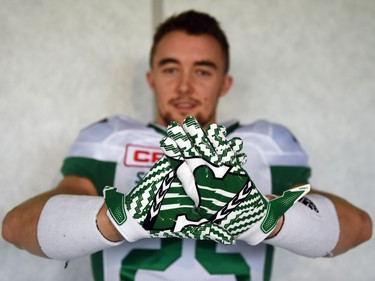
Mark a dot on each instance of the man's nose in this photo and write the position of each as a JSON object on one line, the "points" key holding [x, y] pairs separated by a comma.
{"points": [[185, 84]]}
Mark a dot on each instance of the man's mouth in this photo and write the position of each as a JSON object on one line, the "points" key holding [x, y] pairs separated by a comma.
{"points": [[184, 105]]}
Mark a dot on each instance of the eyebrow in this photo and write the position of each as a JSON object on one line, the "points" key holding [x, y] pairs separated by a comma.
{"points": [[166, 61], [207, 63]]}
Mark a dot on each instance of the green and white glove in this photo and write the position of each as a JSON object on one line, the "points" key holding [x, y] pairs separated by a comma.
{"points": [[151, 208], [210, 169]]}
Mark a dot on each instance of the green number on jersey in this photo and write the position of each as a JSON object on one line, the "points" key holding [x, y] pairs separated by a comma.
{"points": [[217, 263], [171, 251]]}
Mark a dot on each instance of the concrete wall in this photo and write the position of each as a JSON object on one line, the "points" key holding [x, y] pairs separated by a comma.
{"points": [[307, 64]]}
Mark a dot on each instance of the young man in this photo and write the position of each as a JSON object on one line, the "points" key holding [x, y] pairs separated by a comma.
{"points": [[189, 73]]}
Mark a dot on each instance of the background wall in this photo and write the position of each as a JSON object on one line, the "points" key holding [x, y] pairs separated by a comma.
{"points": [[307, 64]]}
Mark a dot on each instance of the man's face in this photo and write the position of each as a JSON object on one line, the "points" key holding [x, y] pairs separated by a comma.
{"points": [[188, 78]]}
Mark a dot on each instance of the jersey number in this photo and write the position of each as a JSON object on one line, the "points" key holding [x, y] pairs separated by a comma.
{"points": [[171, 250]]}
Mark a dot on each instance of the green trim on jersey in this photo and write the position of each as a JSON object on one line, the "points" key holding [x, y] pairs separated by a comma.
{"points": [[284, 177], [230, 129], [158, 129], [99, 172], [97, 266], [163, 131], [268, 263]]}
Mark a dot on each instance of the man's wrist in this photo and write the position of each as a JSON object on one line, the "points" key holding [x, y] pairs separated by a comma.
{"points": [[277, 229], [105, 226]]}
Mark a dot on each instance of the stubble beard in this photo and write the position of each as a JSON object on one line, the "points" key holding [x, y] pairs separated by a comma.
{"points": [[167, 118]]}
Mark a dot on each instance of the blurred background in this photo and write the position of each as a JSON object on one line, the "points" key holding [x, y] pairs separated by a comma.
{"points": [[309, 65]]}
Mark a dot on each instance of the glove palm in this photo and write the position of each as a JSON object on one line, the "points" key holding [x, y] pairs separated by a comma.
{"points": [[150, 209]]}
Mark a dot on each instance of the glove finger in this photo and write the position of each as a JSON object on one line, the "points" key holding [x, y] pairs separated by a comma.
{"points": [[278, 206], [236, 144], [200, 140], [241, 158], [181, 167], [141, 195], [216, 135], [170, 148], [113, 200], [178, 135]]}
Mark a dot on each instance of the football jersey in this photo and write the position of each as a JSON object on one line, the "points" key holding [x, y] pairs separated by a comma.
{"points": [[119, 151]]}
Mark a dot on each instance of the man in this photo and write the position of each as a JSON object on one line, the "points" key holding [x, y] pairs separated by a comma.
{"points": [[189, 73]]}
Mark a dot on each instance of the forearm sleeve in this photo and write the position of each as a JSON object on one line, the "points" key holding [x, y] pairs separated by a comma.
{"points": [[67, 227], [311, 228]]}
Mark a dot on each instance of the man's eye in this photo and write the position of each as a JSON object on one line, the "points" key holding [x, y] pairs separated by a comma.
{"points": [[202, 72], [169, 70]]}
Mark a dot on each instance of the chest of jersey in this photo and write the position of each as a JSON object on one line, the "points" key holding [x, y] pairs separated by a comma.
{"points": [[122, 158], [165, 259], [136, 153]]}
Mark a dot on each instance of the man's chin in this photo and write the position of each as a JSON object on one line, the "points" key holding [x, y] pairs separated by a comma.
{"points": [[201, 119], [179, 118]]}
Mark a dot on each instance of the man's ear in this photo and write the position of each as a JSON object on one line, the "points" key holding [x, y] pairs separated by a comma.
{"points": [[150, 80], [227, 84]]}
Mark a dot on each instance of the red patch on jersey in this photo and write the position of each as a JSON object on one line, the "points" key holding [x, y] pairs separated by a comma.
{"points": [[141, 156]]}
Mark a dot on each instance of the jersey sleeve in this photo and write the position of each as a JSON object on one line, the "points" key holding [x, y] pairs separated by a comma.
{"points": [[288, 162], [100, 173], [90, 156], [279, 155]]}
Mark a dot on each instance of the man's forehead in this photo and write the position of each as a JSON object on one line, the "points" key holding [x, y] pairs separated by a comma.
{"points": [[180, 47]]}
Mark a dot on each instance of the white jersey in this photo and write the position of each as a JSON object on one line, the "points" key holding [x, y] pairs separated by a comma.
{"points": [[119, 151]]}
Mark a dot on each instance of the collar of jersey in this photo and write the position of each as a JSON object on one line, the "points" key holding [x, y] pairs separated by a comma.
{"points": [[229, 125]]}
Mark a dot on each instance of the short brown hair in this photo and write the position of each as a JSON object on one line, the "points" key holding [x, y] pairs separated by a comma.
{"points": [[193, 23]]}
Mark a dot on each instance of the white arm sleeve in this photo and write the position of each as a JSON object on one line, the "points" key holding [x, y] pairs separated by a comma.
{"points": [[311, 228], [67, 227]]}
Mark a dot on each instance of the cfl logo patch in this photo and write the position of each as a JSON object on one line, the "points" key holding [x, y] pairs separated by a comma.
{"points": [[141, 156]]}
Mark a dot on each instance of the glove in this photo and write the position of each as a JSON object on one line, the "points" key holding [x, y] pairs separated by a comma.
{"points": [[151, 208], [210, 169]]}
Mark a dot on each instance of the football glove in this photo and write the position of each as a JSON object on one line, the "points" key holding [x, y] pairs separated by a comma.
{"points": [[211, 171], [150, 209]]}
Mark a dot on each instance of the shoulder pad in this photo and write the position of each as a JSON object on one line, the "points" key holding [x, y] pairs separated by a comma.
{"points": [[279, 134], [102, 129]]}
